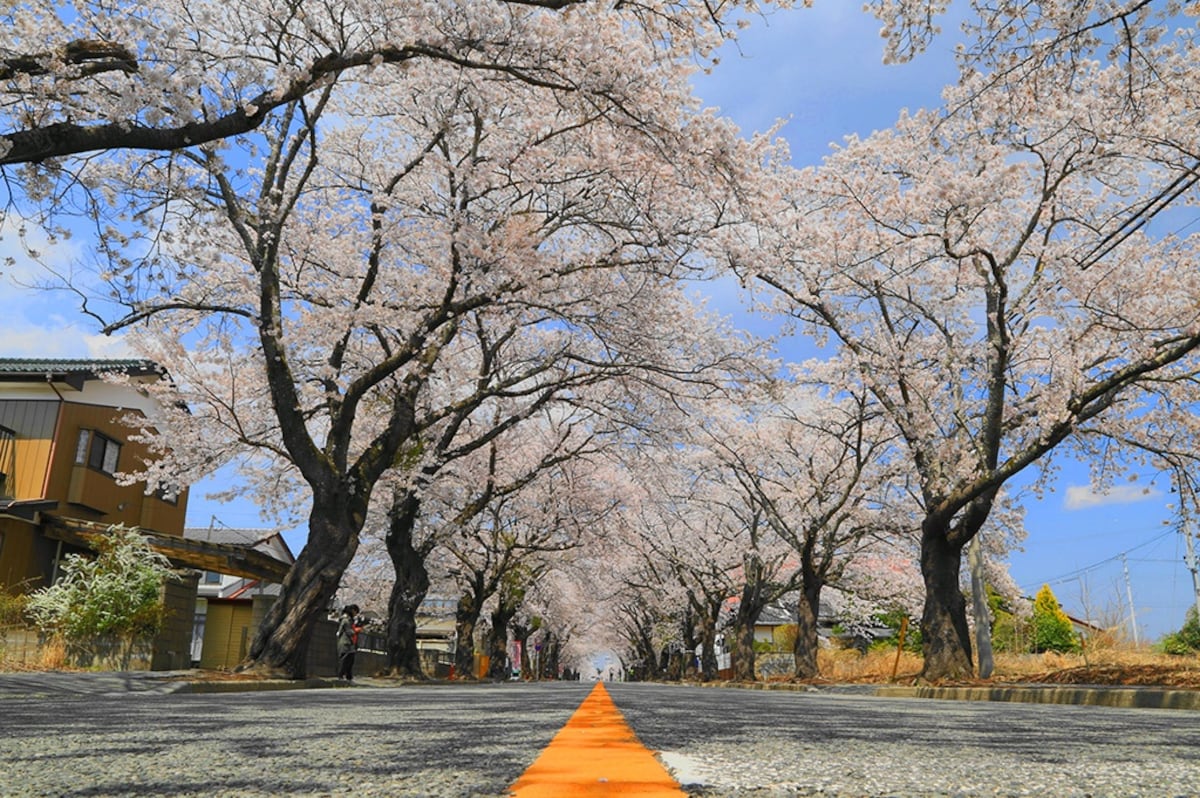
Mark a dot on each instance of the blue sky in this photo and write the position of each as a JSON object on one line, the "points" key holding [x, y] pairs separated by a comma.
{"points": [[821, 69]]}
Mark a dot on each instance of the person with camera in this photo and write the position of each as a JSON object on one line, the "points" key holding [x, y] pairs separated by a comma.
{"points": [[349, 628]]}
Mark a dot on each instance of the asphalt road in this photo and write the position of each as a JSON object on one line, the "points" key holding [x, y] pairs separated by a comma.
{"points": [[475, 740]]}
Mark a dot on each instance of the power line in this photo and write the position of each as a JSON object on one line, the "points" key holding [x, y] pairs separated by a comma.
{"points": [[1078, 572]]}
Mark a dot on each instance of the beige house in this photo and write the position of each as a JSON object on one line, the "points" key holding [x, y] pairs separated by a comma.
{"points": [[62, 443], [228, 606]]}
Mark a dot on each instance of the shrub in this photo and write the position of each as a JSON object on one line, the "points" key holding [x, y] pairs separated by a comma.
{"points": [[117, 596], [1052, 629], [893, 620], [1187, 639], [1011, 633], [784, 637], [12, 608]]}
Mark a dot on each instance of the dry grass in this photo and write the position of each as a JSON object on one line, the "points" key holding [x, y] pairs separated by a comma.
{"points": [[52, 655], [847, 666], [1115, 665]]}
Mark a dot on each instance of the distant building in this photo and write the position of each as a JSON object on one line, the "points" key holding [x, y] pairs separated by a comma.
{"points": [[230, 606]]}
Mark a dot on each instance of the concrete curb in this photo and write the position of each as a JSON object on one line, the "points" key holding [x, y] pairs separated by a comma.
{"points": [[1126, 697], [1138, 697], [32, 684]]}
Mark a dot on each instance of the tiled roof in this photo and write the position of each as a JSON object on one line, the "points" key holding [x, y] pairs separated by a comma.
{"points": [[224, 534], [38, 366], [265, 540]]}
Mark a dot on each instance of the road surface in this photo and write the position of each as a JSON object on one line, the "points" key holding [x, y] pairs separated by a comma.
{"points": [[478, 740]]}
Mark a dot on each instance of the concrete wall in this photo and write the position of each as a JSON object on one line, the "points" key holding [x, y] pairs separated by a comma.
{"points": [[23, 647]]}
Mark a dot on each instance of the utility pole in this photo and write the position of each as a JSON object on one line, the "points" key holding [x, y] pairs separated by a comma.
{"points": [[1189, 557], [983, 620], [1129, 594]]}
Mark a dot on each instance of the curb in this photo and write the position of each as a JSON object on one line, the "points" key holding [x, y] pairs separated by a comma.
{"points": [[1134, 697], [1124, 697]]}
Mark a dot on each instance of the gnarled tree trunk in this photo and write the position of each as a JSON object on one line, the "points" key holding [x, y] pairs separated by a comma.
{"points": [[281, 644], [409, 589], [808, 609], [466, 617], [749, 608], [708, 640], [945, 634], [499, 666]]}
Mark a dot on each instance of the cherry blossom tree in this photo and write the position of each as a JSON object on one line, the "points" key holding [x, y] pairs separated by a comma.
{"points": [[167, 76], [989, 270], [516, 515], [818, 464], [325, 272], [534, 392]]}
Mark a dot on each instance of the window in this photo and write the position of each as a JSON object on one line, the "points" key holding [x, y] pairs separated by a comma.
{"points": [[97, 451], [8, 460], [212, 578]]}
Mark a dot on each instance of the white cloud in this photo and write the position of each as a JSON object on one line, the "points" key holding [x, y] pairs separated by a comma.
{"points": [[38, 322], [18, 238], [1084, 497]]}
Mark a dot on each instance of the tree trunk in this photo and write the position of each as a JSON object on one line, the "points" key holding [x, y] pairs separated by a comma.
{"points": [[808, 609], [409, 589], [548, 662], [687, 633], [529, 662], [743, 651], [281, 645], [945, 635], [674, 666], [652, 670], [749, 608], [499, 667], [466, 616], [708, 641]]}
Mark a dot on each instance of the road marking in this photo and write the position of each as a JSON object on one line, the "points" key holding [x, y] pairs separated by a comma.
{"points": [[596, 753]]}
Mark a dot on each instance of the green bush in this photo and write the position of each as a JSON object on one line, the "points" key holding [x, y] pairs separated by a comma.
{"points": [[116, 596], [1052, 629], [1011, 633], [1186, 640], [12, 608], [784, 637], [893, 619]]}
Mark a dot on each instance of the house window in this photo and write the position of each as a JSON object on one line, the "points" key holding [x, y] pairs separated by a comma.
{"points": [[97, 451], [8, 460], [212, 578]]}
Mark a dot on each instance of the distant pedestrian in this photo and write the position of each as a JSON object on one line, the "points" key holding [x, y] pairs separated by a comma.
{"points": [[349, 628]]}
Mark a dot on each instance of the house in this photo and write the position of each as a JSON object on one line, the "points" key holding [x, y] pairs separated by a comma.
{"points": [[62, 443], [831, 622], [436, 627], [230, 606]]}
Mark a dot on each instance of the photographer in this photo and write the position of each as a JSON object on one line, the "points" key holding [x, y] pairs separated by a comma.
{"points": [[349, 628]]}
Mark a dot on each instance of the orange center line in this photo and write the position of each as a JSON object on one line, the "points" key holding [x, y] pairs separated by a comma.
{"points": [[596, 753]]}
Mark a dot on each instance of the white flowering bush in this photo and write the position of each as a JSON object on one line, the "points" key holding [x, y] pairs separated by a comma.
{"points": [[113, 598]]}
